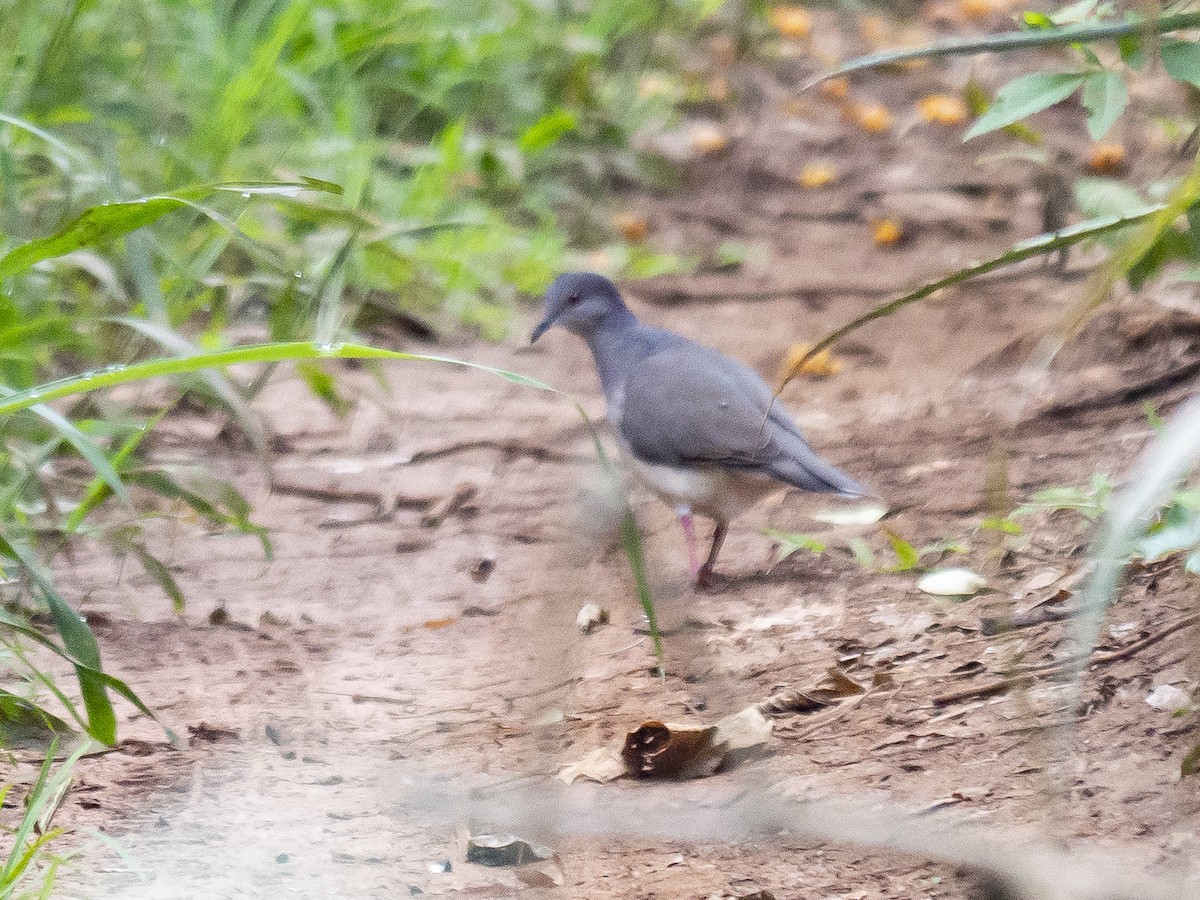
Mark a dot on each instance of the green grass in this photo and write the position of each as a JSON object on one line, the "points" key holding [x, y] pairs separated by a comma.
{"points": [[307, 170]]}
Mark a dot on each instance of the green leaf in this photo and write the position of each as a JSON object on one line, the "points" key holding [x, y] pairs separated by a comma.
{"points": [[1023, 97], [1099, 197], [101, 224], [1004, 526], [324, 385], [1105, 97], [1181, 59], [86, 447], [862, 552], [97, 225], [547, 131], [789, 543], [157, 569], [1036, 20], [907, 556], [79, 641], [1133, 51]]}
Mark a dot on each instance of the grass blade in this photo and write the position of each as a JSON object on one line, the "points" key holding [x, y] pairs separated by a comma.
{"points": [[1014, 40], [1037, 246]]}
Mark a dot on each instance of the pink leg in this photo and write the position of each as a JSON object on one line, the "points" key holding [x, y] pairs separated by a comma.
{"points": [[689, 534]]}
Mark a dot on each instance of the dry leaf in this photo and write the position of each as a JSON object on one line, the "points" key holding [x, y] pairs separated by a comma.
{"points": [[545, 874], [505, 850], [657, 750], [1169, 698], [862, 514], [601, 765], [943, 109], [436, 624], [817, 175], [742, 730], [791, 21]]}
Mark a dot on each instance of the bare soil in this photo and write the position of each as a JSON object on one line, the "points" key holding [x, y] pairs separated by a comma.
{"points": [[375, 654]]}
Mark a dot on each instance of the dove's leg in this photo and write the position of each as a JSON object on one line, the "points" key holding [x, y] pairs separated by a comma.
{"points": [[704, 578], [689, 534]]}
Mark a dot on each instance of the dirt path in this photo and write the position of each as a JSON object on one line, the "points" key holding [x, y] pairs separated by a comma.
{"points": [[374, 649]]}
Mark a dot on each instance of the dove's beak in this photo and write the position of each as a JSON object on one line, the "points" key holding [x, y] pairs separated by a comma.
{"points": [[541, 329]]}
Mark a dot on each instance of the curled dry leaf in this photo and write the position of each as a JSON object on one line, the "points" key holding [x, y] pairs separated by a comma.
{"points": [[817, 175], [956, 582], [792, 21], [943, 109], [835, 686], [658, 750], [601, 765], [505, 850]]}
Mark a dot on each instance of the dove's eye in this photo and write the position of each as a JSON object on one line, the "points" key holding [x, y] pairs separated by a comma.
{"points": [[573, 300]]}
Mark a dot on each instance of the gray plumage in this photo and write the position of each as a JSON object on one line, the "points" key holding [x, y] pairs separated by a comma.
{"points": [[703, 430]]}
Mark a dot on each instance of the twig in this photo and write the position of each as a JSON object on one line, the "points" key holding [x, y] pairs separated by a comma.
{"points": [[1064, 666]]}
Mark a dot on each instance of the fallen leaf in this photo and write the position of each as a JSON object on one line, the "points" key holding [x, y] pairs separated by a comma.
{"points": [[545, 874], [435, 624], [742, 730], [505, 850], [1169, 698], [943, 109], [601, 765], [657, 750], [791, 21], [956, 582]]}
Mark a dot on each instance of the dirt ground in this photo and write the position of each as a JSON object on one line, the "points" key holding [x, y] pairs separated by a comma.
{"points": [[375, 656]]}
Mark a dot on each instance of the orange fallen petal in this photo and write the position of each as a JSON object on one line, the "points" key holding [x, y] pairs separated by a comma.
{"points": [[887, 232], [943, 109], [631, 226], [1107, 158], [434, 624], [791, 21], [822, 365], [873, 117], [817, 175], [835, 88]]}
